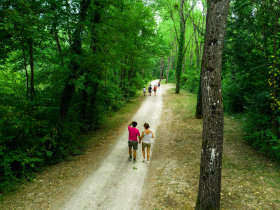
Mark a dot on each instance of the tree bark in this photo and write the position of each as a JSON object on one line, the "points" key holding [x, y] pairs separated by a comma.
{"points": [[161, 61], [212, 104], [166, 81], [184, 63], [31, 63], [200, 56], [181, 48], [26, 72], [197, 48], [198, 113], [76, 47], [274, 64]]}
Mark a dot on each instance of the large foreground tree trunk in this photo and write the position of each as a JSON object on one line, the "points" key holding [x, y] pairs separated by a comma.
{"points": [[212, 104]]}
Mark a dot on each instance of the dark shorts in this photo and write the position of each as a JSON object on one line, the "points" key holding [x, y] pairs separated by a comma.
{"points": [[133, 144], [155, 90]]}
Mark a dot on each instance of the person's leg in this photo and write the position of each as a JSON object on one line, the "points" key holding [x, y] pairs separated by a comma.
{"points": [[134, 155], [143, 151], [135, 147], [148, 154], [130, 152]]}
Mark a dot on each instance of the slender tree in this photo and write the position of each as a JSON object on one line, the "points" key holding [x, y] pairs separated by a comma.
{"points": [[181, 48], [212, 104]]}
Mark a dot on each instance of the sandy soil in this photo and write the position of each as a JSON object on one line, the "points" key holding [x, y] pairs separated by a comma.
{"points": [[116, 184]]}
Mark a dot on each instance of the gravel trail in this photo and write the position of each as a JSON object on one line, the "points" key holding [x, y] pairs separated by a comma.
{"points": [[116, 184]]}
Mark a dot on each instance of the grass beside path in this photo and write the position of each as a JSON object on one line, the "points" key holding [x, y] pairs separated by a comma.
{"points": [[249, 181], [50, 187]]}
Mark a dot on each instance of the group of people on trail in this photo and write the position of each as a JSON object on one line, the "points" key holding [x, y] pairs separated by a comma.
{"points": [[150, 89], [134, 134]]}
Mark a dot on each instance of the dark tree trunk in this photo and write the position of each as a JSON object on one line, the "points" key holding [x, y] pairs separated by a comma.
{"points": [[198, 113], [274, 63], [131, 69], [31, 63], [184, 64], [88, 93], [161, 61], [57, 42], [166, 81], [163, 67], [26, 72], [181, 48], [197, 48], [212, 104], [76, 47]]}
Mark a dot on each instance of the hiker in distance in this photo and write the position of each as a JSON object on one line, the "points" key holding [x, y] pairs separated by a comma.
{"points": [[155, 89], [150, 90], [146, 141], [144, 91], [133, 133]]}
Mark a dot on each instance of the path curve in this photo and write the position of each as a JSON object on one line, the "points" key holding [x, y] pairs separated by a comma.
{"points": [[115, 184]]}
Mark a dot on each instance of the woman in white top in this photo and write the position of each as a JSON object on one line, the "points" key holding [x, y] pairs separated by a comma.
{"points": [[146, 142]]}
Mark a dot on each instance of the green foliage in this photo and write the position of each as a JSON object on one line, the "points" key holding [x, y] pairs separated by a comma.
{"points": [[190, 80], [89, 60], [250, 73]]}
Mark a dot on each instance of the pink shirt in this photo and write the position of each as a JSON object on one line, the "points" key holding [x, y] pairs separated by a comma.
{"points": [[133, 133]]}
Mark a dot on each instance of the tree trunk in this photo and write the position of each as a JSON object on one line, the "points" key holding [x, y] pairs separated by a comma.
{"points": [[26, 72], [181, 48], [166, 81], [163, 67], [212, 104], [31, 63], [198, 113], [160, 68], [200, 56], [197, 48], [76, 47], [274, 65], [57, 41], [131, 69], [183, 63]]}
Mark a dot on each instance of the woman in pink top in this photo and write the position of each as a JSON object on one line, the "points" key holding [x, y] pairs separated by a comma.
{"points": [[132, 140]]}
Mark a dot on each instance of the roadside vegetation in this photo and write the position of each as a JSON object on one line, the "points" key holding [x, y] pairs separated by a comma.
{"points": [[249, 179], [47, 187]]}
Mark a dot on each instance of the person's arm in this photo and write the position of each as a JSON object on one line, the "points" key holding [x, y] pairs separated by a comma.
{"points": [[140, 137], [152, 134], [130, 124]]}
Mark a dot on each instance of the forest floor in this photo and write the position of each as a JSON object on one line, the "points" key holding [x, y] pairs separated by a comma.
{"points": [[103, 178]]}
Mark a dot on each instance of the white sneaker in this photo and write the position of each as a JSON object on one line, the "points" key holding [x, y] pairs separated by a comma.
{"points": [[144, 160], [148, 162]]}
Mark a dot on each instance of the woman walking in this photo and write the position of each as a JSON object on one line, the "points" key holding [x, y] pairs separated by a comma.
{"points": [[146, 142]]}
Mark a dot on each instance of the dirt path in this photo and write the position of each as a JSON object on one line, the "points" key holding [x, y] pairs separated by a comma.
{"points": [[103, 178], [116, 184]]}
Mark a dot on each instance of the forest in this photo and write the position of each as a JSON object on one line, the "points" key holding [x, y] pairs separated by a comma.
{"points": [[64, 65]]}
